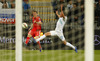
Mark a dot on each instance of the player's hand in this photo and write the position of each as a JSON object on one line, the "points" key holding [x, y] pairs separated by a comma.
{"points": [[34, 21], [56, 12]]}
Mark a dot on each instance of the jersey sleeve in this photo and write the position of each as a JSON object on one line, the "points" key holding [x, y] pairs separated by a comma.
{"points": [[38, 19]]}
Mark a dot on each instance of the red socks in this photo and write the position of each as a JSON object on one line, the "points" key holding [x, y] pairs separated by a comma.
{"points": [[27, 40], [39, 44]]}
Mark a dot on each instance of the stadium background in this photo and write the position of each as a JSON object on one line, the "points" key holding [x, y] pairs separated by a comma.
{"points": [[73, 31]]}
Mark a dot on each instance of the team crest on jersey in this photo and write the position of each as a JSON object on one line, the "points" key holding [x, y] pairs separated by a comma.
{"points": [[39, 18]]}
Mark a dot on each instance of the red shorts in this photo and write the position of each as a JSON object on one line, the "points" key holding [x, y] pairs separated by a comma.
{"points": [[34, 32]]}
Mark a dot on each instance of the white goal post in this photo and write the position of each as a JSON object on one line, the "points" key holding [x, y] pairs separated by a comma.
{"points": [[89, 30], [18, 30]]}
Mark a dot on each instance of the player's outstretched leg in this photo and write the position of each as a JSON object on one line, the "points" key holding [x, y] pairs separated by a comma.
{"points": [[44, 36], [70, 45], [76, 49], [28, 38]]}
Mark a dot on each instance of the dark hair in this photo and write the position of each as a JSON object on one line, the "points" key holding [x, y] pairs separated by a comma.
{"points": [[34, 11]]}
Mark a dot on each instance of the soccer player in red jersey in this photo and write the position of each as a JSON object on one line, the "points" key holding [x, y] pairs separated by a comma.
{"points": [[35, 29]]}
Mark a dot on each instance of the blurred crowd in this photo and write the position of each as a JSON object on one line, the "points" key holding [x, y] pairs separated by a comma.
{"points": [[26, 10], [74, 9], [6, 4], [97, 12], [26, 5]]}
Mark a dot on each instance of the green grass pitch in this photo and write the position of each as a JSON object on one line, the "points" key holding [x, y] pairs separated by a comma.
{"points": [[47, 55]]}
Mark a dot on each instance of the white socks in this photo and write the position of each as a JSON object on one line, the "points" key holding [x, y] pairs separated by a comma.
{"points": [[42, 37], [70, 45]]}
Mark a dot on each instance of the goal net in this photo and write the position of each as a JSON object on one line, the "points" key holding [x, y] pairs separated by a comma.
{"points": [[7, 33], [52, 47], [77, 30]]}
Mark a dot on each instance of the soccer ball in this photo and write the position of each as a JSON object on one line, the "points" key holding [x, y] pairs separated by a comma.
{"points": [[24, 25]]}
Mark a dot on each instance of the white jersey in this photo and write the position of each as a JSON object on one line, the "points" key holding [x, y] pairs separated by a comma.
{"points": [[60, 23], [59, 28]]}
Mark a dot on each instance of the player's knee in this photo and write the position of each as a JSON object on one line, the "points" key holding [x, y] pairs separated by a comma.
{"points": [[64, 42], [37, 37], [47, 34], [29, 35]]}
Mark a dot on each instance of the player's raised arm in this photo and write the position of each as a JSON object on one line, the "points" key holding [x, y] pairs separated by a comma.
{"points": [[57, 14], [62, 13]]}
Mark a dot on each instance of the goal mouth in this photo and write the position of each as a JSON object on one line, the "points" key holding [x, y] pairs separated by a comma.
{"points": [[76, 35]]}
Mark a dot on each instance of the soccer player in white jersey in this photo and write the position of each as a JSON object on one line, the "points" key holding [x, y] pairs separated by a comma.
{"points": [[59, 30]]}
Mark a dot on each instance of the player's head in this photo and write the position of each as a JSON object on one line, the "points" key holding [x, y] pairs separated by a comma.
{"points": [[61, 14], [34, 12]]}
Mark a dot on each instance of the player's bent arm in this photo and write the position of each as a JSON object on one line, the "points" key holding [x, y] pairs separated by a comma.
{"points": [[39, 22], [62, 14], [57, 14]]}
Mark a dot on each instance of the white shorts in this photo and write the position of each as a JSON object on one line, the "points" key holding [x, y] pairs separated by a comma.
{"points": [[58, 33]]}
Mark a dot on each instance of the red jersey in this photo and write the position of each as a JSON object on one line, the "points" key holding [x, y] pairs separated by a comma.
{"points": [[35, 25]]}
